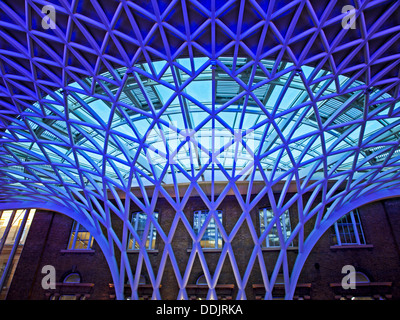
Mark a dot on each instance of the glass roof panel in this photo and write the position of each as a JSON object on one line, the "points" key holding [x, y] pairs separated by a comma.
{"points": [[184, 93]]}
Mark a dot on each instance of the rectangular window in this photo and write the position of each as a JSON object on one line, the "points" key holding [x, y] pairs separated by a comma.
{"points": [[272, 238], [348, 230], [139, 220], [9, 228], [14, 228], [80, 238], [212, 238]]}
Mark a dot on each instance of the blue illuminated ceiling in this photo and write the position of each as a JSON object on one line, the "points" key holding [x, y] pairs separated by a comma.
{"points": [[122, 96], [161, 106]]}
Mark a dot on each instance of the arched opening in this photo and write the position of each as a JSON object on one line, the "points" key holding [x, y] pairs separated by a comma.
{"points": [[342, 253], [51, 210]]}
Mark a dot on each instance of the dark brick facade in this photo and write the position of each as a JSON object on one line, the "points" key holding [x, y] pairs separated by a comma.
{"points": [[379, 259]]}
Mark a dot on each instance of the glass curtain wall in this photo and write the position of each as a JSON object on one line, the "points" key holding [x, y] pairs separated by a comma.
{"points": [[14, 227]]}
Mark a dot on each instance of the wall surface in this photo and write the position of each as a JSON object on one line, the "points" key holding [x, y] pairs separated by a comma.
{"points": [[379, 259]]}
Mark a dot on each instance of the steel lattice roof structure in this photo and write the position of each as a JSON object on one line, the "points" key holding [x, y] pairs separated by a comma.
{"points": [[126, 102]]}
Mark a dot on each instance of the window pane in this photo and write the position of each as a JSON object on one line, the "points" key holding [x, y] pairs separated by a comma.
{"points": [[16, 223], [71, 240], [67, 297], [139, 220], [272, 239], [72, 278], [201, 280], [80, 238], [349, 229], [212, 237], [5, 217]]}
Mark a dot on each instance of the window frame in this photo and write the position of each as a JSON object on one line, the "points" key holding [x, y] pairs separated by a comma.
{"points": [[151, 236], [69, 276], [197, 219], [286, 229], [356, 227], [201, 280], [72, 237]]}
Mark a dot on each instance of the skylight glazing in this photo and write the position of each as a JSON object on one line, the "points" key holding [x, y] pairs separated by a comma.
{"points": [[193, 113]]}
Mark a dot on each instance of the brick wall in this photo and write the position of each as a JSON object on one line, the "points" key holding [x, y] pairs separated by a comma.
{"points": [[49, 235]]}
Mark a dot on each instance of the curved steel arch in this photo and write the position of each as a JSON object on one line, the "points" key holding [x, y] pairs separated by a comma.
{"points": [[81, 219], [87, 111], [328, 222]]}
